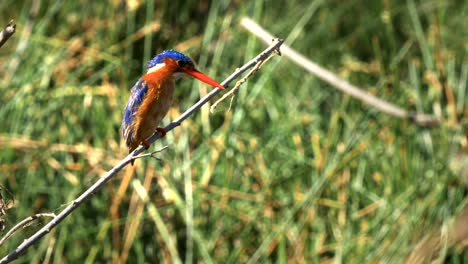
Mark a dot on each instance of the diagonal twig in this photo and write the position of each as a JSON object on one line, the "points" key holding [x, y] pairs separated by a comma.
{"points": [[112, 172], [24, 223], [241, 81], [342, 85], [151, 154]]}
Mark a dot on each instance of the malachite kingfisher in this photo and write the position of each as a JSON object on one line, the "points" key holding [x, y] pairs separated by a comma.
{"points": [[151, 96]]}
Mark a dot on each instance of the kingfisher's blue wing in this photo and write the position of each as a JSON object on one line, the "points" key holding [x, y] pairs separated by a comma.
{"points": [[138, 93]]}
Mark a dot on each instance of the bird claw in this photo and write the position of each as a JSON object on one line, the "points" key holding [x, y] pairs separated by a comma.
{"points": [[162, 131], [145, 143]]}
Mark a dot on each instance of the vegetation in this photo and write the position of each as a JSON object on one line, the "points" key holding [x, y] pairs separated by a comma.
{"points": [[294, 172]]}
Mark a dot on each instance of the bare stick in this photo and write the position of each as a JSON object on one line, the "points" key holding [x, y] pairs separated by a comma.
{"points": [[7, 32], [151, 154], [26, 222], [240, 82], [111, 173], [340, 84]]}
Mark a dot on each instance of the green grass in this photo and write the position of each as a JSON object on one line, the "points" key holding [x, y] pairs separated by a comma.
{"points": [[295, 172]]}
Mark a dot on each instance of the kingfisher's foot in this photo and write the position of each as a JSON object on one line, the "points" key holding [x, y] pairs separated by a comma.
{"points": [[145, 143], [162, 131]]}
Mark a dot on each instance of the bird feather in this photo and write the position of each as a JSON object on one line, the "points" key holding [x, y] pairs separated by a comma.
{"points": [[138, 93]]}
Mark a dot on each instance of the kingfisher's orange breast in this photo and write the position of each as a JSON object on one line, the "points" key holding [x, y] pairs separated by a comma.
{"points": [[152, 110]]}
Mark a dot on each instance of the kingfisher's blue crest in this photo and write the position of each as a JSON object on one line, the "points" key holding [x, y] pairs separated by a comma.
{"points": [[178, 56]]}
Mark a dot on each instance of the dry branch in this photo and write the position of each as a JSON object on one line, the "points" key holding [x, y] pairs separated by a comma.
{"points": [[240, 82], [132, 156], [340, 84], [26, 222]]}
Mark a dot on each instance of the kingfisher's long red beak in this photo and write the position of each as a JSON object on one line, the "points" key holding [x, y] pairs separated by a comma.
{"points": [[202, 77]]}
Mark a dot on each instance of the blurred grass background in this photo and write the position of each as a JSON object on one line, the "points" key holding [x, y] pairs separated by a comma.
{"points": [[295, 172]]}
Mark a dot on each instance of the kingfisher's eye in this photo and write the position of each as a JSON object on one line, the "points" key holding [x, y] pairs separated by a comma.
{"points": [[182, 63]]}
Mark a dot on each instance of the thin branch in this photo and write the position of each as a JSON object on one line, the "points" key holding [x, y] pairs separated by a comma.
{"points": [[240, 82], [151, 154], [340, 84], [112, 172], [7, 32], [26, 222]]}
